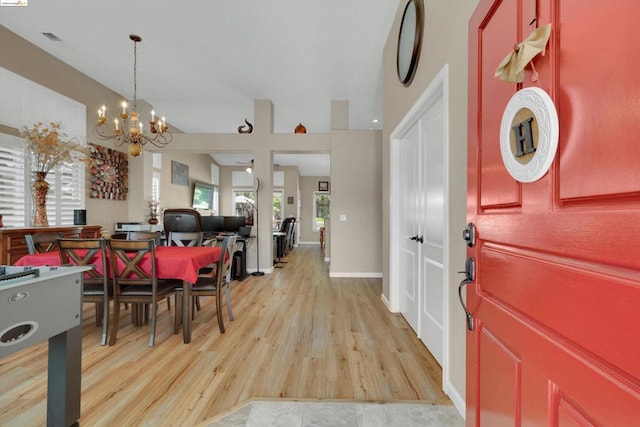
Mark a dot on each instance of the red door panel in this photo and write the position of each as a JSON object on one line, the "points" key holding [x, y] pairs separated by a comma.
{"points": [[599, 99], [556, 297], [505, 191], [566, 299], [500, 386]]}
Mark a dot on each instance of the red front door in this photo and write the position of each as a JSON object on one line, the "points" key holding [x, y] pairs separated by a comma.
{"points": [[556, 297]]}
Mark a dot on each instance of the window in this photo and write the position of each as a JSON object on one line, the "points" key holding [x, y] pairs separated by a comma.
{"points": [[65, 194], [277, 208], [13, 185], [155, 186], [155, 179], [215, 209], [243, 202], [66, 187], [321, 209], [215, 180]]}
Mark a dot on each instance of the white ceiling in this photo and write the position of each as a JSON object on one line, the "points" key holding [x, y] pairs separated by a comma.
{"points": [[202, 63]]}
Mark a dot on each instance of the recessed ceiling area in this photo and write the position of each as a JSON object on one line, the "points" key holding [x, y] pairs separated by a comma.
{"points": [[308, 164]]}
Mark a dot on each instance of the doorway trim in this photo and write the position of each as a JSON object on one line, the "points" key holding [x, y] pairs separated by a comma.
{"points": [[437, 89]]}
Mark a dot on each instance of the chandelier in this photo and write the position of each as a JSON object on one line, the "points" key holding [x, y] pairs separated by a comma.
{"points": [[129, 129]]}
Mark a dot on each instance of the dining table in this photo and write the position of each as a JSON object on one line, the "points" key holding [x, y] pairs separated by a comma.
{"points": [[172, 262]]}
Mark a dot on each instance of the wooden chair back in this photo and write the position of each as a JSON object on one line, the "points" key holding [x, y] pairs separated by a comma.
{"points": [[42, 242], [142, 235], [229, 245], [183, 238], [97, 287]]}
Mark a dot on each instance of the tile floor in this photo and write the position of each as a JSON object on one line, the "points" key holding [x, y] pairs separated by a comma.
{"points": [[334, 414]]}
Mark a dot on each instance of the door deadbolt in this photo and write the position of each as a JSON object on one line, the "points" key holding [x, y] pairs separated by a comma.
{"points": [[469, 234]]}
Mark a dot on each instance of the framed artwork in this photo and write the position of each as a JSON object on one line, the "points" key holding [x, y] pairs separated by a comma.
{"points": [[323, 185], [179, 173], [109, 173], [290, 200]]}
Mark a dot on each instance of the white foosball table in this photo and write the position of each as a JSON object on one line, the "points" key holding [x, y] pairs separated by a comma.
{"points": [[40, 303]]}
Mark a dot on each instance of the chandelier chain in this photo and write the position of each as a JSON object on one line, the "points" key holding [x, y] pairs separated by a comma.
{"points": [[135, 74]]}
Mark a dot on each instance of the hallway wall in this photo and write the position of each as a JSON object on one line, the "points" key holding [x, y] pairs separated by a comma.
{"points": [[444, 42]]}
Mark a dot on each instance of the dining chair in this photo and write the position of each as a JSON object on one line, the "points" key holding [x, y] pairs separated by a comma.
{"points": [[210, 283], [97, 287], [185, 238], [181, 220], [133, 284], [42, 242], [141, 235]]}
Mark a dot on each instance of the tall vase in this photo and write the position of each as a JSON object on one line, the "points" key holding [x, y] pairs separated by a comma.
{"points": [[40, 189]]}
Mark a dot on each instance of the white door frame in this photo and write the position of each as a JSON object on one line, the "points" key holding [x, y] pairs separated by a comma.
{"points": [[438, 88]]}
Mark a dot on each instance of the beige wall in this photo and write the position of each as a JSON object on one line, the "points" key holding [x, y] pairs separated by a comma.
{"points": [[177, 196], [444, 42], [356, 179]]}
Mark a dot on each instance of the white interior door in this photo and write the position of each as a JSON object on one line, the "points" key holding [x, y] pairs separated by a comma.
{"points": [[420, 270], [409, 273], [422, 227], [432, 229]]}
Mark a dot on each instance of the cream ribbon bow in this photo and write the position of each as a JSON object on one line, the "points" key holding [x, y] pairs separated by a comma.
{"points": [[511, 69]]}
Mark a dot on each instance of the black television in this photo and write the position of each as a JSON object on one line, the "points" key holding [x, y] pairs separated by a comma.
{"points": [[212, 223], [202, 195], [232, 224]]}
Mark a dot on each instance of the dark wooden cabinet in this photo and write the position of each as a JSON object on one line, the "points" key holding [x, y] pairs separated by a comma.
{"points": [[13, 245]]}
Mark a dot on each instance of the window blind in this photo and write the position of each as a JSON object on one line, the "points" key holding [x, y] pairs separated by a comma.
{"points": [[65, 187], [12, 181]]}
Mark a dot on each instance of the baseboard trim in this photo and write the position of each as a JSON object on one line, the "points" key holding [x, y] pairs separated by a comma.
{"points": [[456, 398], [268, 270], [386, 302], [357, 275]]}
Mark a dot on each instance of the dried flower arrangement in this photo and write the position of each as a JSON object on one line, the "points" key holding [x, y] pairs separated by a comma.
{"points": [[50, 147]]}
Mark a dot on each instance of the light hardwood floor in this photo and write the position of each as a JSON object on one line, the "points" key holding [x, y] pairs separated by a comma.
{"points": [[298, 335]]}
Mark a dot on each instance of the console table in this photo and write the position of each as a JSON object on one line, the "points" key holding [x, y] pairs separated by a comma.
{"points": [[13, 245]]}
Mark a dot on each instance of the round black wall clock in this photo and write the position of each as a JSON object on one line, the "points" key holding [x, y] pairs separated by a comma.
{"points": [[410, 40]]}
